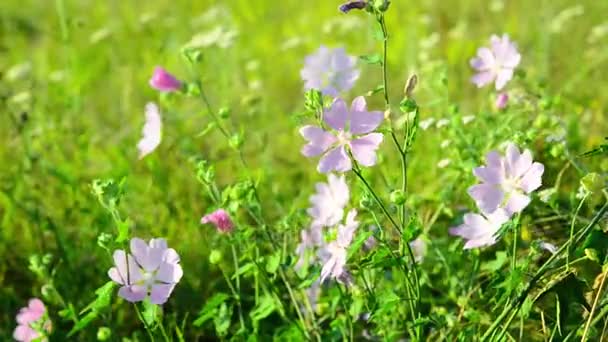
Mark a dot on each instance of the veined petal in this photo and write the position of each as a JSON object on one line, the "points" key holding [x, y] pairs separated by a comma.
{"points": [[133, 293], [483, 78], [160, 293], [318, 140], [517, 202], [364, 148], [487, 197], [532, 179], [337, 115], [335, 160]]}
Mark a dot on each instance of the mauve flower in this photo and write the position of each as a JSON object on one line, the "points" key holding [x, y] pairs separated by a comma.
{"points": [[351, 5], [479, 230], [32, 322], [351, 128], [220, 219], [151, 131], [330, 71], [150, 270], [334, 254], [309, 239], [162, 80], [501, 100], [329, 201], [495, 64], [506, 181]]}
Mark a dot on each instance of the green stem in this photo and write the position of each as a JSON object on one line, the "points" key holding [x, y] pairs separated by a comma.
{"points": [[542, 270], [141, 318], [572, 223]]}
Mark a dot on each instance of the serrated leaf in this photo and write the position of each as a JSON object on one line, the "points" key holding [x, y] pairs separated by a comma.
{"points": [[104, 297]]}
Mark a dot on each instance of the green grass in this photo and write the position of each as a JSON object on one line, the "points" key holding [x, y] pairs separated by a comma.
{"points": [[76, 114]]}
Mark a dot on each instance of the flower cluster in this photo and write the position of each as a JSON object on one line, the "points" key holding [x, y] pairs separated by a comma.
{"points": [[351, 133], [506, 184], [33, 323], [150, 271], [220, 219], [496, 64]]}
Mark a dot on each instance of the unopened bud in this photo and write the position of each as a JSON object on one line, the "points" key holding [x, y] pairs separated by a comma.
{"points": [[410, 85]]}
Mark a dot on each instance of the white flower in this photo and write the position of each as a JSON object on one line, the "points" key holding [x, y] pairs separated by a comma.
{"points": [[480, 230], [329, 201], [334, 254]]}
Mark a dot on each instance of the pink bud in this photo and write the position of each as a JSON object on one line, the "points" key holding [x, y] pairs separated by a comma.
{"points": [[501, 100], [163, 81], [220, 219]]}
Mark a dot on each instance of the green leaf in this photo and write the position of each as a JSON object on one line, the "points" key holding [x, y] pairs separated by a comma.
{"points": [[265, 307], [210, 308], [103, 300], [496, 264], [223, 319], [272, 262], [359, 241], [371, 59], [244, 270], [151, 313]]}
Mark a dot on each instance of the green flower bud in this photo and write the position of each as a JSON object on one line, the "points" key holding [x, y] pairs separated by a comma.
{"points": [[215, 257], [103, 333], [398, 197]]}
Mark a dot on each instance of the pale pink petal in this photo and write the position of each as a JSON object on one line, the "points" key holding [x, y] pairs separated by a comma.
{"points": [[502, 77], [133, 293], [512, 156], [487, 197], [364, 122], [346, 231], [485, 241], [163, 81], [151, 132], [484, 59], [489, 175], [335, 160], [171, 256], [318, 140], [532, 179], [148, 258], [337, 115], [364, 148], [158, 243], [160, 293], [494, 159], [169, 273], [24, 333], [517, 202], [483, 78]]}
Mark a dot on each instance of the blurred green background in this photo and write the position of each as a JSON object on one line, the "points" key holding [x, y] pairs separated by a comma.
{"points": [[73, 85]]}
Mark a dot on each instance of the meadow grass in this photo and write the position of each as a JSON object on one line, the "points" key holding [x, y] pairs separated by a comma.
{"points": [[74, 82]]}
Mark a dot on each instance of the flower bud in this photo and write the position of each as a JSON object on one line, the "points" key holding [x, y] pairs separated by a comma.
{"points": [[397, 197], [103, 333], [215, 257]]}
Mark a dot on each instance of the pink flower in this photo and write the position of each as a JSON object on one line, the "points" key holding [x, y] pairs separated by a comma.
{"points": [[309, 239], [220, 219], [163, 81], [151, 131], [330, 71], [351, 132], [479, 230], [32, 322], [506, 181], [329, 201], [501, 100], [150, 270], [334, 254], [495, 64]]}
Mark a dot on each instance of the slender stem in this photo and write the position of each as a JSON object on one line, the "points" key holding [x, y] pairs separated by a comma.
{"points": [[141, 318], [163, 332], [572, 223], [595, 301], [349, 319], [378, 201], [542, 270], [382, 23], [236, 296]]}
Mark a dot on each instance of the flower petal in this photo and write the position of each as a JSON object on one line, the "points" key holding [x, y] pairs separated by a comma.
{"points": [[364, 148], [517, 202], [335, 160], [133, 293], [169, 273], [337, 115], [318, 140], [160, 293], [483, 78], [362, 121], [487, 197], [502, 77], [532, 179]]}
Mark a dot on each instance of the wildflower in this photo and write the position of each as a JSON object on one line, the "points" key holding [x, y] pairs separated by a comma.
{"points": [[548, 247], [151, 131], [347, 125], [495, 64], [220, 219], [506, 181], [329, 201], [162, 80], [426, 123], [150, 270], [419, 248], [32, 322], [501, 100], [310, 238], [443, 163], [480, 230], [467, 118], [351, 5], [331, 71], [442, 122], [334, 255]]}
